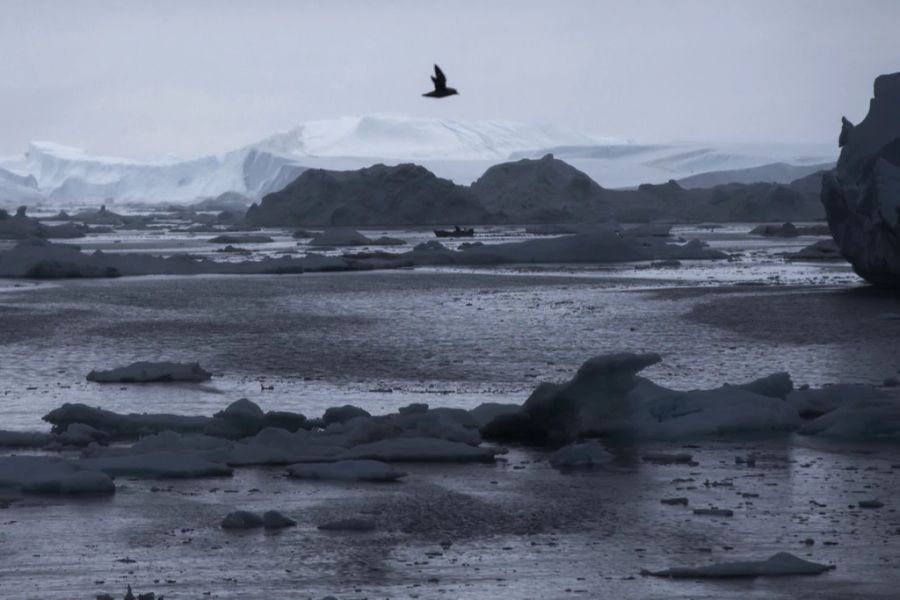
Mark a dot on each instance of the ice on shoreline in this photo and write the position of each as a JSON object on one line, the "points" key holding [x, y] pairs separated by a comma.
{"points": [[347, 470], [39, 259], [152, 372], [52, 475], [781, 564], [605, 400]]}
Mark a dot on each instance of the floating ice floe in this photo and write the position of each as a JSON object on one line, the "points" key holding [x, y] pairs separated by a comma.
{"points": [[342, 414], [119, 426], [40, 259], [820, 250], [779, 564], [157, 465], [602, 245], [815, 402], [272, 519], [240, 239], [152, 372], [486, 412], [240, 419], [242, 519], [79, 434], [273, 446], [24, 439], [419, 449], [52, 475], [443, 423], [347, 470], [350, 237], [790, 230], [867, 419], [580, 455], [606, 397], [350, 524], [191, 445]]}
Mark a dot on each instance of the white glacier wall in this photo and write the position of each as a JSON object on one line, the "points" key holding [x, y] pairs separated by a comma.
{"points": [[458, 150]]}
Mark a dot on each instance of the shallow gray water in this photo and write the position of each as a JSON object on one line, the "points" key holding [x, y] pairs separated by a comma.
{"points": [[517, 529], [384, 339], [457, 338]]}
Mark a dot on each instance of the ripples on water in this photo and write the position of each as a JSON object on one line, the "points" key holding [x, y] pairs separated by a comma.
{"points": [[445, 337]]}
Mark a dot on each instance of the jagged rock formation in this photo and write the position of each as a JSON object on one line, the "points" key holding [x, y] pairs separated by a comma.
{"points": [[20, 226], [862, 196], [406, 194], [549, 190], [540, 191], [545, 190]]}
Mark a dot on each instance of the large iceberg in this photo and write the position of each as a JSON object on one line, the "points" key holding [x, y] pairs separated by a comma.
{"points": [[455, 149], [606, 397], [862, 196]]}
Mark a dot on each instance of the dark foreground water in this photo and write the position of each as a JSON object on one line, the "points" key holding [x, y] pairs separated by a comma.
{"points": [[513, 530], [385, 339], [517, 529]]}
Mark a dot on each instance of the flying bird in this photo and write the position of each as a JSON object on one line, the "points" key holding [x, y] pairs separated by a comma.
{"points": [[440, 85]]}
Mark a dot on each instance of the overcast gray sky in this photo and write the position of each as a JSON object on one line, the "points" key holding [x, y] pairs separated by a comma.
{"points": [[188, 77]]}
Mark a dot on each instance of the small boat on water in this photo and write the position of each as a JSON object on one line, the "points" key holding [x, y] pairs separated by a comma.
{"points": [[455, 232]]}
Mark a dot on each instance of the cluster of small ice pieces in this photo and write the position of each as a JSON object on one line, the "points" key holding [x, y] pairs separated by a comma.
{"points": [[606, 399], [39, 259], [579, 424]]}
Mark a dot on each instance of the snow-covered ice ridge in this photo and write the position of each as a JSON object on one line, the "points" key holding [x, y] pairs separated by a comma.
{"points": [[457, 150]]}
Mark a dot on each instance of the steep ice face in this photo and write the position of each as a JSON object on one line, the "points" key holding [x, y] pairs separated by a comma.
{"points": [[70, 175], [17, 189], [862, 197], [460, 150], [399, 137]]}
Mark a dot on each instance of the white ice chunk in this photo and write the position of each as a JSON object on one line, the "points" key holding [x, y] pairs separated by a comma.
{"points": [[817, 402], [273, 446], [241, 519], [24, 439], [580, 455], [347, 470], [782, 563], [869, 419], [151, 372], [157, 465], [419, 449], [51, 475]]}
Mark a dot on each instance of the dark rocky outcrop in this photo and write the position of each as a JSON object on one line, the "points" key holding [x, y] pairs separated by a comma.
{"points": [[545, 190], [862, 196], [20, 226], [789, 230], [405, 194], [540, 191]]}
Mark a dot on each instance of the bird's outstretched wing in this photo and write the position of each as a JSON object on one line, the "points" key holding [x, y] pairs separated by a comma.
{"points": [[439, 79]]}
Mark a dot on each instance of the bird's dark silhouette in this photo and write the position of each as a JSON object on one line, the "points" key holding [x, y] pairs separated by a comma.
{"points": [[440, 85]]}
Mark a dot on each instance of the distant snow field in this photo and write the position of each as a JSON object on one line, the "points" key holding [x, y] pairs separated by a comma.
{"points": [[54, 174]]}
